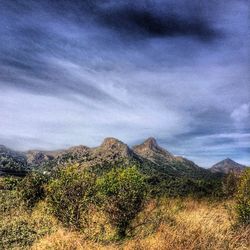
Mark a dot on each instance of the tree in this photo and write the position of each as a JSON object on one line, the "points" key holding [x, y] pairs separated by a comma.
{"points": [[229, 184], [122, 192], [32, 188], [70, 194], [243, 198]]}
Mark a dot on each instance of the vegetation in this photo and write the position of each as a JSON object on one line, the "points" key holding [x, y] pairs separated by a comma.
{"points": [[32, 188], [183, 187], [165, 225], [229, 184], [121, 208], [243, 198], [122, 192], [69, 195]]}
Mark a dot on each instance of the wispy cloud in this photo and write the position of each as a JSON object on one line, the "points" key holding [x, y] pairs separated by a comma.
{"points": [[241, 113], [73, 72]]}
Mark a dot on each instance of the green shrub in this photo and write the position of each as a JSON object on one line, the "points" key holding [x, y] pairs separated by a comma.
{"points": [[17, 234], [229, 184], [9, 183], [9, 202], [243, 198], [70, 194], [186, 187], [122, 192], [32, 188]]}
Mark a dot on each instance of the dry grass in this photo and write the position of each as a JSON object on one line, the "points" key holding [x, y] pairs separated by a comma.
{"points": [[197, 226], [169, 224]]}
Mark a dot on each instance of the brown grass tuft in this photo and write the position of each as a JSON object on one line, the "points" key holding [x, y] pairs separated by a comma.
{"points": [[165, 225]]}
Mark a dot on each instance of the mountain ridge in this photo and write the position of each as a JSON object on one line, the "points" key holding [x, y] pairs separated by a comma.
{"points": [[149, 156]]}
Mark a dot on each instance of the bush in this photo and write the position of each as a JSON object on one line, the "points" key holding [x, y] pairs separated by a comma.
{"points": [[243, 198], [9, 202], [16, 234], [70, 194], [32, 188], [9, 183], [229, 184], [122, 191], [186, 187]]}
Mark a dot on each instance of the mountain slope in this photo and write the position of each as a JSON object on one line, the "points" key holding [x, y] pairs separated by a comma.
{"points": [[170, 164], [12, 162], [226, 166], [150, 150]]}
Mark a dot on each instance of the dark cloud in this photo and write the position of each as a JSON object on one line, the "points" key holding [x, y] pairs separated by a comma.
{"points": [[144, 19], [78, 71], [146, 23]]}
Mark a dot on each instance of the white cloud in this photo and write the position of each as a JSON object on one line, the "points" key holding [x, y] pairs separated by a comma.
{"points": [[241, 113]]}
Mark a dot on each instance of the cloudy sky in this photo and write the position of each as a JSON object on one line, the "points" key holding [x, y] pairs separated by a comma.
{"points": [[74, 72]]}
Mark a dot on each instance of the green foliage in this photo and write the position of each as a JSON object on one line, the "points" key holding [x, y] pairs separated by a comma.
{"points": [[122, 192], [9, 202], [18, 233], [183, 187], [229, 184], [9, 183], [70, 194], [32, 188], [243, 198]]}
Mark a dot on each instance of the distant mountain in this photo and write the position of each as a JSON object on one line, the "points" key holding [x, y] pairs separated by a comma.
{"points": [[226, 166], [152, 159], [12, 162]]}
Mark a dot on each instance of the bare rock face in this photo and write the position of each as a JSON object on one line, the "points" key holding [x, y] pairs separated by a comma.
{"points": [[226, 166], [149, 149], [112, 149], [37, 157], [150, 143], [111, 142], [77, 151]]}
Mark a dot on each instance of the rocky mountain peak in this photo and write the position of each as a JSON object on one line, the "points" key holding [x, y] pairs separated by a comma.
{"points": [[151, 150], [112, 149], [228, 160], [226, 166], [150, 143], [111, 142]]}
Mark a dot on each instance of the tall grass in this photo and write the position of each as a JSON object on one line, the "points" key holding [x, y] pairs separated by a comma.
{"points": [[166, 224]]}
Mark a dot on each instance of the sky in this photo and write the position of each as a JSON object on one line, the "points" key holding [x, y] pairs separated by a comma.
{"points": [[75, 72]]}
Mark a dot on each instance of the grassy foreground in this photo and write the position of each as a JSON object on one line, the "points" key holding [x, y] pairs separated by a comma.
{"points": [[77, 210], [170, 224], [163, 224]]}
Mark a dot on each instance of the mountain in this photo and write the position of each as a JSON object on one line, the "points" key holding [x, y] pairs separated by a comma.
{"points": [[166, 161], [111, 152], [36, 158], [12, 162], [152, 159], [226, 166], [150, 150]]}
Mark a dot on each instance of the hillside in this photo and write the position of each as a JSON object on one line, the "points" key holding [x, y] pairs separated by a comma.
{"points": [[166, 161], [12, 162]]}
